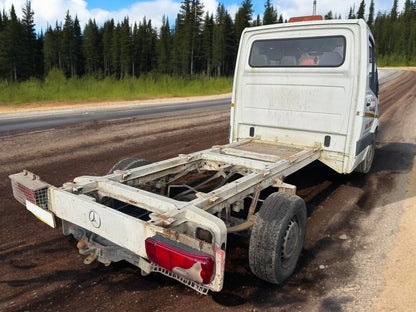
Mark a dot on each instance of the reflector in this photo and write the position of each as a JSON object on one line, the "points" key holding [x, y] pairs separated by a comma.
{"points": [[30, 195], [27, 187]]}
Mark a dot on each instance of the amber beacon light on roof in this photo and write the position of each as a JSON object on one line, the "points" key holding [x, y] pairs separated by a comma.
{"points": [[305, 18]]}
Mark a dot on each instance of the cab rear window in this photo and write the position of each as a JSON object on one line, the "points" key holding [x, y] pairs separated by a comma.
{"points": [[298, 52]]}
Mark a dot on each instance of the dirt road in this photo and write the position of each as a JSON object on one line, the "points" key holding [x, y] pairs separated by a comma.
{"points": [[360, 246]]}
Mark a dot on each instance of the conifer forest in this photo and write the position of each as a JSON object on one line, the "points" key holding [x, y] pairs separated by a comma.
{"points": [[194, 44]]}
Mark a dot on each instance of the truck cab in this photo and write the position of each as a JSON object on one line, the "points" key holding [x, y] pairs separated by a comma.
{"points": [[309, 83]]}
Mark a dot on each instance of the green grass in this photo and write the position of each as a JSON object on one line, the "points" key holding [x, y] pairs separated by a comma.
{"points": [[395, 61], [56, 88]]}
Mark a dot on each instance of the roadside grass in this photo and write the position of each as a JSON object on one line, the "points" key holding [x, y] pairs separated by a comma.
{"points": [[396, 61], [56, 88]]}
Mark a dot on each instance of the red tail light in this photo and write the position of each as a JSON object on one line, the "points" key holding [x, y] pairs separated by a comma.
{"points": [[180, 259]]}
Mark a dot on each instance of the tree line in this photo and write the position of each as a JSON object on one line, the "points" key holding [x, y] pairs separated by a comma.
{"points": [[197, 43]]}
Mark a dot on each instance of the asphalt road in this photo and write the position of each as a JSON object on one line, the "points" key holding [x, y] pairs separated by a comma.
{"points": [[41, 120], [13, 123]]}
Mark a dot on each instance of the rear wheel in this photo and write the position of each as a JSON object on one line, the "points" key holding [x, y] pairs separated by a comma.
{"points": [[277, 237], [128, 163], [124, 164]]}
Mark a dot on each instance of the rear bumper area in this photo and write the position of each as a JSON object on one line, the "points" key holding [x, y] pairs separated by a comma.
{"points": [[121, 230]]}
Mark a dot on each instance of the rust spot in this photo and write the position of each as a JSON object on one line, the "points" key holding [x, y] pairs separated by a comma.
{"points": [[82, 243], [169, 233], [163, 217]]}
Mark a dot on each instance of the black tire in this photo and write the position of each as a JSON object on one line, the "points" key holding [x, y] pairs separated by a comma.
{"points": [[365, 166], [129, 163], [277, 237]]}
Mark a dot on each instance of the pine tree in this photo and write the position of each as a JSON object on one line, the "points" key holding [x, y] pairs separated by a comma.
{"points": [[224, 43], [197, 9], [91, 48], [243, 18], [329, 16], [135, 50], [68, 39], [38, 59], [177, 51], [231, 45], [14, 47], [361, 10], [370, 20], [187, 38], [48, 50], [151, 48], [77, 55], [125, 48], [379, 33], [411, 43], [270, 14], [207, 43], [115, 51], [30, 55], [408, 10], [408, 41], [107, 32], [351, 14], [144, 42], [394, 11], [165, 47], [219, 41], [257, 21], [3, 51], [52, 48]]}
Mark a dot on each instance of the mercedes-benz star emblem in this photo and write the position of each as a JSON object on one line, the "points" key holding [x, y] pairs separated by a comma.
{"points": [[94, 219]]}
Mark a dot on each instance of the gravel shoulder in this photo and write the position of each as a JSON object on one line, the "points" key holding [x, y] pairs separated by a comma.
{"points": [[33, 107], [398, 273]]}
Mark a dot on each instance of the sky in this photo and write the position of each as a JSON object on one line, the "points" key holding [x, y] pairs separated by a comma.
{"points": [[48, 12]]}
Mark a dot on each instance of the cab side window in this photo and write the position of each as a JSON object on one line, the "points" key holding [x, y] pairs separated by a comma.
{"points": [[372, 67]]}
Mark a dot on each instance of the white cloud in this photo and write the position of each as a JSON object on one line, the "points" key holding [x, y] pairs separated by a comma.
{"points": [[7, 4], [153, 10], [305, 7], [290, 8], [210, 6], [232, 9], [49, 12]]}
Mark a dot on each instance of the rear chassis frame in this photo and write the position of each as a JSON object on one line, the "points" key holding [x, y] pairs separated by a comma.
{"points": [[202, 223]]}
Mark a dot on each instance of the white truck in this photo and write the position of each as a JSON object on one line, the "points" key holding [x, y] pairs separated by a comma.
{"points": [[303, 91]]}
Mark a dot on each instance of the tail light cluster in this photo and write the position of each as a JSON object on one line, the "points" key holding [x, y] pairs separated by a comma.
{"points": [[180, 259], [25, 187]]}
